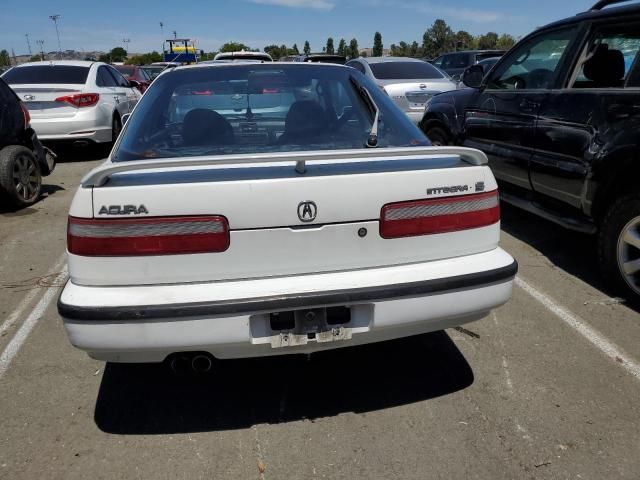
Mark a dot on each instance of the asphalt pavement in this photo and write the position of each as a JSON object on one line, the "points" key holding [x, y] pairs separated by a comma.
{"points": [[547, 387]]}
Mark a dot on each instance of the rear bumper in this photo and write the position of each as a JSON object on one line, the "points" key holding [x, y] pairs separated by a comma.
{"points": [[109, 324], [92, 125]]}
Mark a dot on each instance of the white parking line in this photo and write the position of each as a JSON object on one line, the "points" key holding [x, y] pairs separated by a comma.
{"points": [[607, 347], [29, 298], [25, 329]]}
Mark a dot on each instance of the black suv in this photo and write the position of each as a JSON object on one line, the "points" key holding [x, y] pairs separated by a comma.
{"points": [[23, 160], [455, 63], [559, 119]]}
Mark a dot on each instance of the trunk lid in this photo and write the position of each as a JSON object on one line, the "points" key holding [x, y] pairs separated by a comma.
{"points": [[412, 95], [40, 100], [272, 233]]}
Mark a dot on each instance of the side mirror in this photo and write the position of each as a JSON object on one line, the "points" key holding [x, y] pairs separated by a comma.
{"points": [[125, 117], [472, 77], [134, 84]]}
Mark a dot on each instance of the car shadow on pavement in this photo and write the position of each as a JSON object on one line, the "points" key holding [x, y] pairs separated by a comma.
{"points": [[150, 399], [69, 153], [573, 252]]}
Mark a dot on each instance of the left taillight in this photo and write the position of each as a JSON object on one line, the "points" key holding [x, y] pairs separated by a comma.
{"points": [[441, 215], [26, 115], [80, 100], [147, 236]]}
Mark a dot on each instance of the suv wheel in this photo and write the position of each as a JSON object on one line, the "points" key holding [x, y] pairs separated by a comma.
{"points": [[619, 244], [20, 177], [438, 137]]}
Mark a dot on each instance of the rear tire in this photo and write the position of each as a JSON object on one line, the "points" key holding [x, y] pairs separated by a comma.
{"points": [[20, 177], [438, 137], [116, 128], [619, 245]]}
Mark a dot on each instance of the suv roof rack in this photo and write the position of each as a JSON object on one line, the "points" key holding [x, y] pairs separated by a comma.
{"points": [[605, 3]]}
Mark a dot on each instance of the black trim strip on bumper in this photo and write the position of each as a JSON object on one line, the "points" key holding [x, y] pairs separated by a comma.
{"points": [[288, 302]]}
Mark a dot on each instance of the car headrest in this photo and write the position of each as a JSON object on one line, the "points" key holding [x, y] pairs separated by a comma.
{"points": [[305, 116], [202, 126], [606, 67]]}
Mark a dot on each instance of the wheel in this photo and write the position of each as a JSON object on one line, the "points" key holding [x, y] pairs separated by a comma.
{"points": [[438, 137], [20, 178], [619, 244], [116, 128]]}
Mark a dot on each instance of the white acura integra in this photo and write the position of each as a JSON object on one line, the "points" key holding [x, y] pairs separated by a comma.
{"points": [[263, 209]]}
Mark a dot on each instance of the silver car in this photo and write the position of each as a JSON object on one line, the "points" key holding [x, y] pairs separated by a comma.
{"points": [[76, 102], [408, 81]]}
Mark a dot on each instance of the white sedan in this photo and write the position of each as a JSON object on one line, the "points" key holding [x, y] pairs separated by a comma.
{"points": [[264, 209], [74, 102]]}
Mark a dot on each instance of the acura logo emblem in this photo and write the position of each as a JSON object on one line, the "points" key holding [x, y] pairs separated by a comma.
{"points": [[307, 211]]}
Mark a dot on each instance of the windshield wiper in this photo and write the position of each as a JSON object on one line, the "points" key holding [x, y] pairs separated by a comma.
{"points": [[372, 139]]}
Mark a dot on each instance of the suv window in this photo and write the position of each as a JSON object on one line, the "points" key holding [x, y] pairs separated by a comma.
{"points": [[47, 74], [438, 61], [456, 60], [609, 57], [535, 64], [103, 79]]}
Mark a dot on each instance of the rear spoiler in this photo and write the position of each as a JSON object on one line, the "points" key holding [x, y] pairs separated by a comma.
{"points": [[99, 176]]}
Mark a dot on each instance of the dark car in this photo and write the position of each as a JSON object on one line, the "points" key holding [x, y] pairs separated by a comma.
{"points": [[23, 160], [559, 118], [135, 73], [457, 62]]}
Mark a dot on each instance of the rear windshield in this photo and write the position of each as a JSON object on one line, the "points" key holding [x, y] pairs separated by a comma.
{"points": [[404, 71], [47, 74], [258, 108], [125, 71]]}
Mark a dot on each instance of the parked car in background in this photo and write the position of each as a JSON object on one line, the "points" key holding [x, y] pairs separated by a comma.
{"points": [[23, 159], [74, 102], [409, 82], [137, 74], [558, 118], [457, 62], [242, 55], [316, 208], [153, 70]]}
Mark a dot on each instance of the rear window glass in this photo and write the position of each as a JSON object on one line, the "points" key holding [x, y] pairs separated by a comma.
{"points": [[256, 108], [404, 70], [126, 71], [47, 74]]}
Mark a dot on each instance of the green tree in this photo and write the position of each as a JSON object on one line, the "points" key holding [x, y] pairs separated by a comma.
{"points": [[294, 49], [307, 48], [234, 47], [354, 52], [464, 40], [144, 59], [488, 41], [105, 57], [274, 51], [35, 58], [378, 47], [393, 48], [5, 59], [414, 50], [118, 54], [330, 50], [505, 42], [342, 48], [438, 39]]}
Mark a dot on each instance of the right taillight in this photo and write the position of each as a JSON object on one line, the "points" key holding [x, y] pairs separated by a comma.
{"points": [[441, 215], [80, 100], [147, 236]]}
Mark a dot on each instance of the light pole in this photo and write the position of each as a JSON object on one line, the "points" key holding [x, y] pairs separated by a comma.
{"points": [[28, 44], [41, 43], [125, 44], [55, 21]]}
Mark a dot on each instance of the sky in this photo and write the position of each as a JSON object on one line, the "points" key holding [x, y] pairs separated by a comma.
{"points": [[102, 25]]}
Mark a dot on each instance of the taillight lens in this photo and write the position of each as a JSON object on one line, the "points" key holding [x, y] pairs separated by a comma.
{"points": [[441, 215], [80, 99], [147, 236], [26, 115]]}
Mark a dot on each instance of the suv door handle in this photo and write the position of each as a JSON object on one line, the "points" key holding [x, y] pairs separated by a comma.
{"points": [[528, 106]]}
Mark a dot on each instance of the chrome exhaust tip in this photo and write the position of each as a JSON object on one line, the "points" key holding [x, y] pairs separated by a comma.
{"points": [[179, 364], [201, 363]]}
